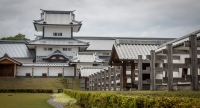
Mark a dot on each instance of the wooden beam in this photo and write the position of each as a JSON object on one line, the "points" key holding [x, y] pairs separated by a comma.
{"points": [[193, 65], [176, 65], [169, 67], [176, 80], [143, 71], [188, 44], [177, 51], [188, 60]]}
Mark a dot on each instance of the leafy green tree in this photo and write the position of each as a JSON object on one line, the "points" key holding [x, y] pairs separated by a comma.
{"points": [[19, 36]]}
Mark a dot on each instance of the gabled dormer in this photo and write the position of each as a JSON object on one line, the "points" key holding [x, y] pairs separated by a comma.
{"points": [[57, 24]]}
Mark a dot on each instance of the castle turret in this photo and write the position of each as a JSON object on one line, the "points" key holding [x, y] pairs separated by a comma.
{"points": [[57, 24]]}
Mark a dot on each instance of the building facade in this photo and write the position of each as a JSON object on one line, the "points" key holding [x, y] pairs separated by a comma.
{"points": [[57, 53]]}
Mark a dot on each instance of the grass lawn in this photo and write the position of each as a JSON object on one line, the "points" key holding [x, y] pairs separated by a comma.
{"points": [[24, 100], [33, 83]]}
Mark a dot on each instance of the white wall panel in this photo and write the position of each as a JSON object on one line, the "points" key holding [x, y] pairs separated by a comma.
{"points": [[66, 32], [68, 71], [40, 50], [23, 70], [53, 71], [39, 70]]}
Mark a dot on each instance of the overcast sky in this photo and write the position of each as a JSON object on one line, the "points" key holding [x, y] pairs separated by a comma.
{"points": [[113, 18]]}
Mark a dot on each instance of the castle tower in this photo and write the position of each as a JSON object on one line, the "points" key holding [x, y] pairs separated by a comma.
{"points": [[57, 24]]}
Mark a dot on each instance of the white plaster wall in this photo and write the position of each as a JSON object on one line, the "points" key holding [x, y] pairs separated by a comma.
{"points": [[22, 70], [68, 71], [25, 60], [57, 18], [39, 70], [53, 71], [66, 32], [40, 50]]}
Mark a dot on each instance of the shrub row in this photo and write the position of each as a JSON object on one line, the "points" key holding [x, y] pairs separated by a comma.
{"points": [[26, 91], [103, 100]]}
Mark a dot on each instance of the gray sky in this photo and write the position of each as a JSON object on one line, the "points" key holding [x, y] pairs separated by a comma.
{"points": [[125, 18]]}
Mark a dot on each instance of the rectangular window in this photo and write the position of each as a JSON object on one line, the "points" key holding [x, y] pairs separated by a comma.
{"points": [[49, 49], [54, 34], [69, 49], [64, 49], [59, 34], [45, 49], [44, 74], [28, 74]]}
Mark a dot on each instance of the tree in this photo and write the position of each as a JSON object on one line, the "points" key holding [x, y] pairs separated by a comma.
{"points": [[19, 36]]}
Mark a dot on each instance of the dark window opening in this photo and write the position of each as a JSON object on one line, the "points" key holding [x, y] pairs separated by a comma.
{"points": [[184, 72], [28, 74], [145, 65], [54, 34], [44, 74], [60, 75]]}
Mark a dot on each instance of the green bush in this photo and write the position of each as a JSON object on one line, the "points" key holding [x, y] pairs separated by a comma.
{"points": [[103, 100], [26, 90]]}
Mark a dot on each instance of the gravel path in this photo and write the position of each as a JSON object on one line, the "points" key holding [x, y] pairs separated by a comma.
{"points": [[56, 104]]}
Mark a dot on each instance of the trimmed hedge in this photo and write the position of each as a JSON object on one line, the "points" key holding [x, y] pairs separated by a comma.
{"points": [[103, 100], [26, 90]]}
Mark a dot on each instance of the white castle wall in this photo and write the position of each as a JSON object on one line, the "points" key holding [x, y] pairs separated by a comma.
{"points": [[21, 71], [40, 50], [66, 32], [69, 71], [53, 71]]}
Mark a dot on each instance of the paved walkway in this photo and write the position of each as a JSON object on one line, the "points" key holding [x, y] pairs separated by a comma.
{"points": [[56, 104]]}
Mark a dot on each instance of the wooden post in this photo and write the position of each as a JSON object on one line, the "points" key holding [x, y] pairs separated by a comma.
{"points": [[152, 71], [121, 78], [32, 70], [85, 83], [169, 67], [132, 74], [63, 71], [109, 78], [104, 79], [14, 70], [124, 76], [94, 81], [139, 72], [90, 83], [48, 71], [193, 65], [114, 80], [93, 84], [100, 80]]}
